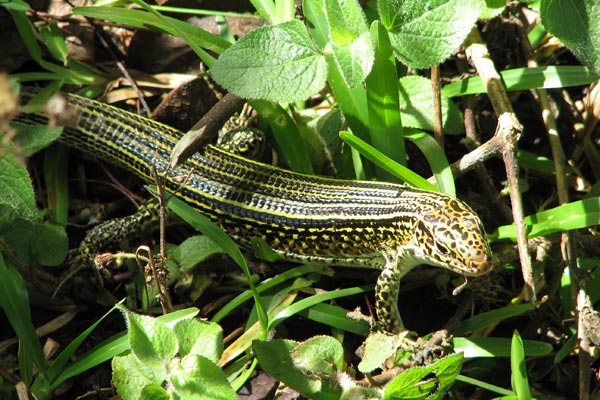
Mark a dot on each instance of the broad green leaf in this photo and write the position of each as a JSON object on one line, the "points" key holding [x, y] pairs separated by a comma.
{"points": [[194, 250], [274, 357], [548, 77], [350, 40], [128, 378], [321, 355], [278, 63], [152, 342], [198, 378], [378, 347], [108, 349], [199, 337], [416, 103], [575, 23], [33, 138], [430, 382], [426, 32], [16, 191], [40, 243], [154, 392]]}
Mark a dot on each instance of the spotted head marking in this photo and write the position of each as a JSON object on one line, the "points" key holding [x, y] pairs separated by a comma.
{"points": [[452, 236]]}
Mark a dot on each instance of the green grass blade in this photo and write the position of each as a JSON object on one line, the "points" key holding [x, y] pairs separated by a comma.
{"points": [[208, 228], [27, 33], [352, 101], [293, 149], [14, 300], [118, 344], [497, 347], [195, 36], [285, 10], [266, 9], [486, 319], [179, 32], [315, 299], [549, 77], [56, 168], [519, 380], [385, 122], [399, 171], [484, 385], [266, 285], [336, 317], [57, 374], [575, 215], [435, 158]]}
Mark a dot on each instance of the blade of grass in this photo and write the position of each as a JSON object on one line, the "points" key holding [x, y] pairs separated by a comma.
{"points": [[197, 38], [266, 9], [315, 299], [486, 319], [14, 300], [266, 285], [208, 228], [56, 168], [289, 141], [520, 384], [575, 215], [336, 317], [385, 122], [399, 171], [435, 158], [285, 10], [484, 385], [55, 375], [29, 36], [497, 347], [118, 344], [548, 77], [199, 11], [352, 101]]}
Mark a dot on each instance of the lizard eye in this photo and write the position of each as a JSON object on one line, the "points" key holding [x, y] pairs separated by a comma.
{"points": [[442, 249]]}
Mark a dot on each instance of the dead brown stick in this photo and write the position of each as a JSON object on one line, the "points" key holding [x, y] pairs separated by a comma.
{"points": [[579, 287], [505, 140]]}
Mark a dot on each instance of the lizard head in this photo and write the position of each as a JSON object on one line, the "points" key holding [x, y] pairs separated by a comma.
{"points": [[453, 237]]}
